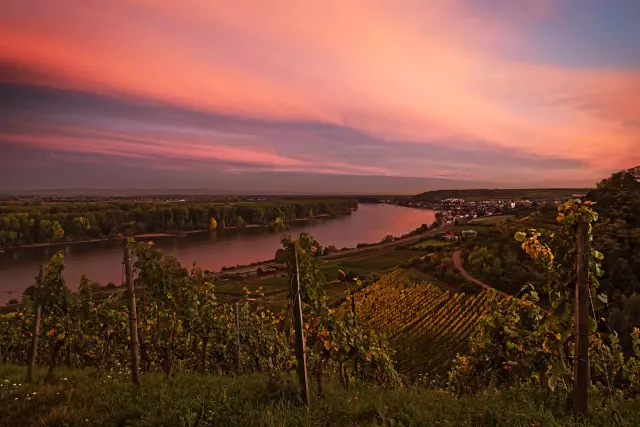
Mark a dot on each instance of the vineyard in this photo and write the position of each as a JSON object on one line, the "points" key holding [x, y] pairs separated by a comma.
{"points": [[183, 325], [426, 325]]}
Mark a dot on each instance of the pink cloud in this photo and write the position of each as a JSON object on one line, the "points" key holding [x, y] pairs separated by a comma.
{"points": [[409, 70]]}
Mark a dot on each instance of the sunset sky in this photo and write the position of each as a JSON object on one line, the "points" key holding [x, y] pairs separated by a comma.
{"points": [[330, 96]]}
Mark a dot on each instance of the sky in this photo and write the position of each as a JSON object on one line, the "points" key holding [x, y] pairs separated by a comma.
{"points": [[324, 96]]}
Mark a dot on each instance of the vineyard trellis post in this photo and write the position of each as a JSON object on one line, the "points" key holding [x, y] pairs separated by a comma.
{"points": [[33, 351], [133, 319], [238, 359], [299, 329], [355, 359], [581, 366]]}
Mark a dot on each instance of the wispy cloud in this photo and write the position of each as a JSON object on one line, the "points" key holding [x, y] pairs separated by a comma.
{"points": [[330, 87]]}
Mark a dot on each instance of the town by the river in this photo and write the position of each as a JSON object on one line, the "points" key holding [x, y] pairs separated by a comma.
{"points": [[102, 261]]}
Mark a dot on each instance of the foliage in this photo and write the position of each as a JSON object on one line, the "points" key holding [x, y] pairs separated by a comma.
{"points": [[440, 265], [618, 233], [520, 342], [32, 223], [184, 327], [334, 338], [425, 324]]}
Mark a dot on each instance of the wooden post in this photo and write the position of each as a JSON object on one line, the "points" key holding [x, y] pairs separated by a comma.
{"points": [[239, 361], [298, 325], [581, 365], [133, 319], [355, 359], [33, 351]]}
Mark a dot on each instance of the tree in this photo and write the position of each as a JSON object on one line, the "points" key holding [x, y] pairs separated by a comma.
{"points": [[57, 232], [44, 230], [617, 200], [329, 250], [280, 255]]}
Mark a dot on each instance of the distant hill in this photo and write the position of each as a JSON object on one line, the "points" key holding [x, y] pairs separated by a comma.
{"points": [[508, 194]]}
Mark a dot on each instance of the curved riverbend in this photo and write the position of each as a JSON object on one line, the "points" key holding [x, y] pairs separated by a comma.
{"points": [[102, 261]]}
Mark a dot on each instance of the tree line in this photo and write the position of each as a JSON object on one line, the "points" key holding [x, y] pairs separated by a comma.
{"points": [[23, 224]]}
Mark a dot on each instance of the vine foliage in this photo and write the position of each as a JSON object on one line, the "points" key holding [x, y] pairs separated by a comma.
{"points": [[522, 342]]}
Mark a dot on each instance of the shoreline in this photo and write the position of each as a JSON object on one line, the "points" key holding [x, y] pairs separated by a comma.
{"points": [[152, 235]]}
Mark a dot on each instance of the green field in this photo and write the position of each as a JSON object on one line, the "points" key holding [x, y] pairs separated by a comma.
{"points": [[491, 220], [370, 263], [431, 243], [481, 229]]}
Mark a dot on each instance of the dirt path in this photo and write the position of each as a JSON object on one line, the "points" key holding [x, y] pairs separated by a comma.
{"points": [[457, 262]]}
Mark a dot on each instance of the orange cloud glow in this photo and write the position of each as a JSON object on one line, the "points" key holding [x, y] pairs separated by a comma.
{"points": [[409, 72]]}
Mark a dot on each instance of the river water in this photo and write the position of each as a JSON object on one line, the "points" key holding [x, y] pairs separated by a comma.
{"points": [[211, 250]]}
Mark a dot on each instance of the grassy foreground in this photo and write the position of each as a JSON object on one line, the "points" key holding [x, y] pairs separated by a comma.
{"points": [[81, 398]]}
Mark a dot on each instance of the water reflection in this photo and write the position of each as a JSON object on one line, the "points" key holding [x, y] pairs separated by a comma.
{"points": [[102, 261]]}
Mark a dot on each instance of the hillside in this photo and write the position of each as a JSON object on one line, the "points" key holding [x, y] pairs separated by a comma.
{"points": [[84, 398], [398, 349], [503, 194], [426, 324]]}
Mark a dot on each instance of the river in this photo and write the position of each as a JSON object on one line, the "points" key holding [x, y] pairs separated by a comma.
{"points": [[211, 250]]}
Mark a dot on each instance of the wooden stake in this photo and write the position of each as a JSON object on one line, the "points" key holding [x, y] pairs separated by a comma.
{"points": [[33, 351], [239, 360], [298, 325], [581, 365], [355, 359], [133, 319]]}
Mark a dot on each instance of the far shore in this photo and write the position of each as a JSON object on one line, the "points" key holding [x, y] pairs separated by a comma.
{"points": [[153, 235]]}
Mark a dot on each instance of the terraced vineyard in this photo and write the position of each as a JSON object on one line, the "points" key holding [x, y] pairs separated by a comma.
{"points": [[426, 324]]}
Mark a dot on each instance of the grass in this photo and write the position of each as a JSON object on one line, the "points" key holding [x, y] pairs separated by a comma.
{"points": [[431, 243], [275, 288], [85, 399], [491, 220], [481, 229], [377, 262]]}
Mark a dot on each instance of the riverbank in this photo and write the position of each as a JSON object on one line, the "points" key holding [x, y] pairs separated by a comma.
{"points": [[101, 262], [154, 235]]}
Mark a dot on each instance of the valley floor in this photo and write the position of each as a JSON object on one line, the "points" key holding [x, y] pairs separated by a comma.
{"points": [[82, 398]]}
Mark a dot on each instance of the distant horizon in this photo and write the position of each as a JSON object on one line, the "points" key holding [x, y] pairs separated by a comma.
{"points": [[139, 192]]}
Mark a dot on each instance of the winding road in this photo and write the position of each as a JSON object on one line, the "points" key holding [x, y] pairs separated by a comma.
{"points": [[457, 262]]}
